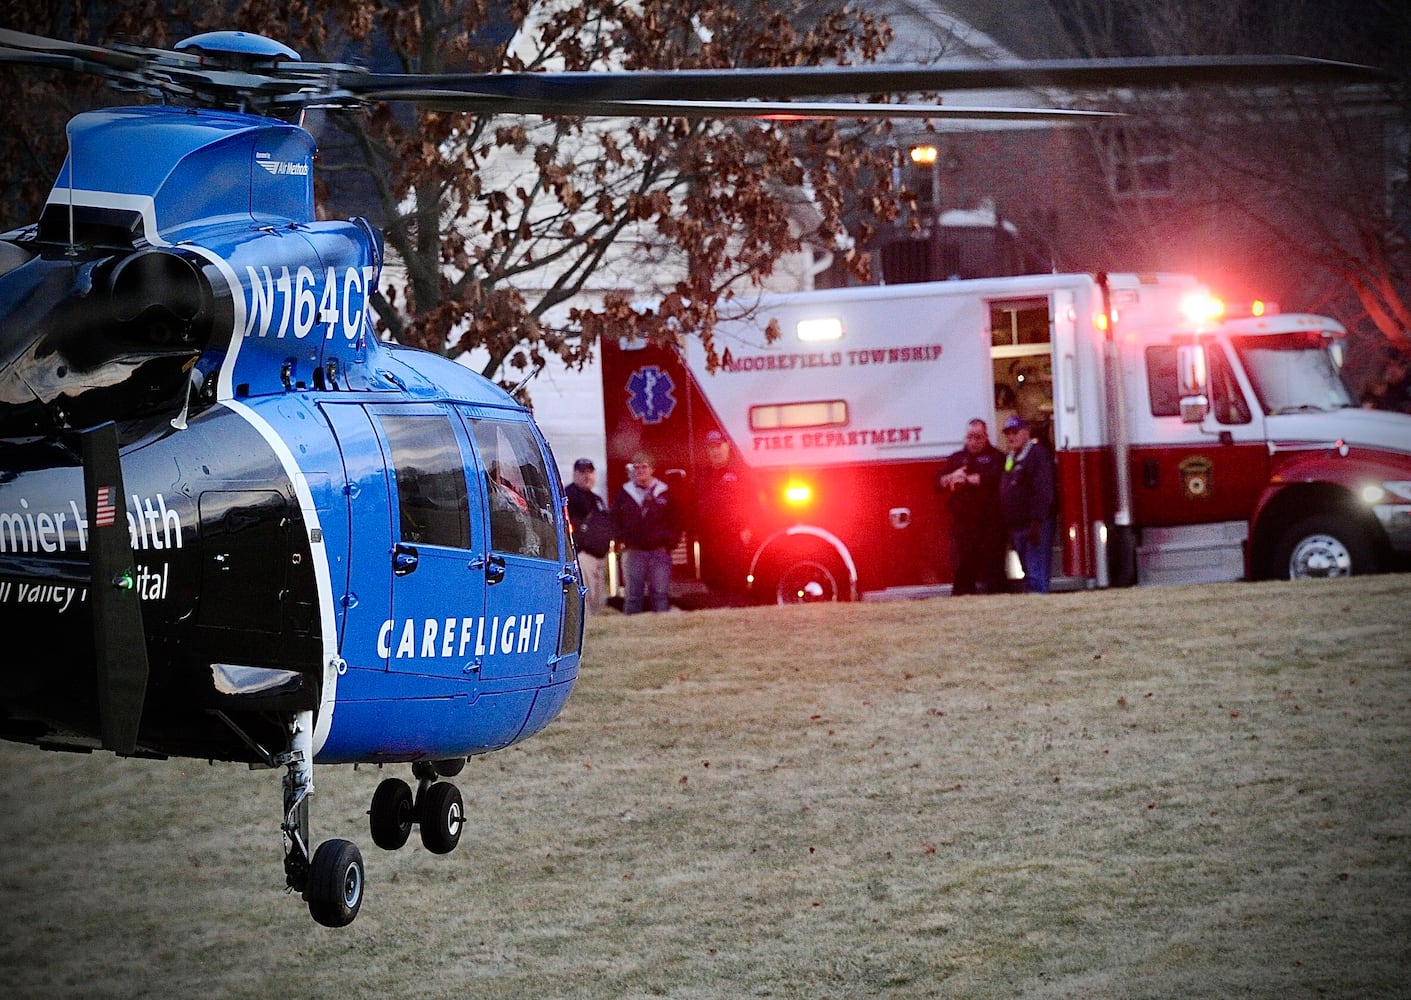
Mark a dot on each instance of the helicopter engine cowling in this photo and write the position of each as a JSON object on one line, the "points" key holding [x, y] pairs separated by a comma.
{"points": [[108, 336]]}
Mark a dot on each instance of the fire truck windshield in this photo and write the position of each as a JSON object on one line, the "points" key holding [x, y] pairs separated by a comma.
{"points": [[1294, 372]]}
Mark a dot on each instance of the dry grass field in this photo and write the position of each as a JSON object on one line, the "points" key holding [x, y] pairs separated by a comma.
{"points": [[1179, 792]]}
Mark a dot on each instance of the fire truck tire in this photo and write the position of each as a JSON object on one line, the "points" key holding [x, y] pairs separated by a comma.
{"points": [[1323, 546], [810, 579]]}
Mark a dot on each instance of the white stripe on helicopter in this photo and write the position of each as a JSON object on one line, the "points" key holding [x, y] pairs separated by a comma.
{"points": [[145, 206]]}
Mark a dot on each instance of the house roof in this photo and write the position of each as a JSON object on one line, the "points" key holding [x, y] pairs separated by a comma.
{"points": [[972, 29]]}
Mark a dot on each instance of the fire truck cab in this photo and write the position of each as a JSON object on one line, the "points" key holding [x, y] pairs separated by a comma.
{"points": [[1189, 446]]}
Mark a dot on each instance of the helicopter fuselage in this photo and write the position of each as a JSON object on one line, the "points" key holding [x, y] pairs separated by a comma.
{"points": [[319, 522]]}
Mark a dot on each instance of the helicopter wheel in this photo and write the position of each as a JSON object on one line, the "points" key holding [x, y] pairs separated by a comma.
{"points": [[392, 814], [442, 818], [336, 882]]}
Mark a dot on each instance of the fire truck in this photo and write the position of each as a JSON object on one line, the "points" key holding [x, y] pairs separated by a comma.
{"points": [[1190, 445]]}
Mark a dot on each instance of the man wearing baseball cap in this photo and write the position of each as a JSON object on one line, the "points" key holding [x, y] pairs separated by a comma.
{"points": [[726, 511], [1026, 500], [646, 523], [592, 530]]}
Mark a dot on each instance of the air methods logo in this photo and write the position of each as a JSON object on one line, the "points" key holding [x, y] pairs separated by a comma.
{"points": [[281, 168], [649, 394]]}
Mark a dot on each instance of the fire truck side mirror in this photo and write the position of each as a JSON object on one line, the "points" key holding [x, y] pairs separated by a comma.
{"points": [[1192, 378]]}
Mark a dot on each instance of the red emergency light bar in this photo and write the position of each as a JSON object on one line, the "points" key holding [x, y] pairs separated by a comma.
{"points": [[1203, 308]]}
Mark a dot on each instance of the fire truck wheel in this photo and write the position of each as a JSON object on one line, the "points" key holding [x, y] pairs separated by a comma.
{"points": [[809, 580], [1323, 546]]}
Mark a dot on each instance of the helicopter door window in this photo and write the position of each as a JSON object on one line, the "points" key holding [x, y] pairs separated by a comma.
{"points": [[517, 491], [432, 504]]}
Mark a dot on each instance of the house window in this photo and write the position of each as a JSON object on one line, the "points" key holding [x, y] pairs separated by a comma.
{"points": [[1139, 165]]}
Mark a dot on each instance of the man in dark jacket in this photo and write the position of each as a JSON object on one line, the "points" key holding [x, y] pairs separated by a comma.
{"points": [[592, 530], [1026, 497], [646, 524], [970, 479], [726, 511]]}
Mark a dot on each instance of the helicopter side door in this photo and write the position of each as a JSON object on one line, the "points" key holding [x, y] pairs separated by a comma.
{"points": [[529, 565], [362, 586], [438, 622]]}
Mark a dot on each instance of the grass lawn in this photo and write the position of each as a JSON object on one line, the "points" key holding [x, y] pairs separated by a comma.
{"points": [[1174, 792]]}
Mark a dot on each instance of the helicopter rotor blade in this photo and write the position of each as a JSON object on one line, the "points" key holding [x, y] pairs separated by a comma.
{"points": [[236, 69], [120, 645], [817, 81], [768, 110], [21, 47]]}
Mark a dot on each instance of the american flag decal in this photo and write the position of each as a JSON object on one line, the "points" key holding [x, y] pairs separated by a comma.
{"points": [[105, 512]]}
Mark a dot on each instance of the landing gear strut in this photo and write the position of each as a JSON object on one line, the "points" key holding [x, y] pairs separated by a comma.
{"points": [[332, 879], [437, 807]]}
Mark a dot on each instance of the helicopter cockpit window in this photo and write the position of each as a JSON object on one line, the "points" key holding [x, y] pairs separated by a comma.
{"points": [[431, 493], [517, 490]]}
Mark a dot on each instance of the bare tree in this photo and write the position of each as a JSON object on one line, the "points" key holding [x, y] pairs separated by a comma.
{"points": [[500, 224], [1315, 179]]}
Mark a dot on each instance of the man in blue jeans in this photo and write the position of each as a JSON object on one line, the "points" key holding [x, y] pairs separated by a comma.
{"points": [[646, 524], [1026, 500]]}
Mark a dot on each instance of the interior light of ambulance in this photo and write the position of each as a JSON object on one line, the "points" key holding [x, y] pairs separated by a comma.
{"points": [[820, 413], [823, 328], [797, 494], [1256, 308], [924, 155], [1100, 322]]}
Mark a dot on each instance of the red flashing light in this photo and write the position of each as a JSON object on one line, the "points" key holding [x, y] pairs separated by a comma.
{"points": [[798, 494], [1202, 308]]}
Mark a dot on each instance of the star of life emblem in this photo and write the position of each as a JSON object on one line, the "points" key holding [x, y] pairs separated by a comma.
{"points": [[650, 395]]}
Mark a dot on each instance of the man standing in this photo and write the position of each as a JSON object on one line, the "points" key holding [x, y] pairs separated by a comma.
{"points": [[646, 523], [725, 512], [1026, 497], [592, 530], [971, 478]]}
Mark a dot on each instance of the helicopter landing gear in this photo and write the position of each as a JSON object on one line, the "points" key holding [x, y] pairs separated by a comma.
{"points": [[335, 884], [437, 807], [331, 880], [442, 818], [392, 814]]}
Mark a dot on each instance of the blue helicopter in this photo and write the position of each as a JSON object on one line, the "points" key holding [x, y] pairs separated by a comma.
{"points": [[242, 526]]}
